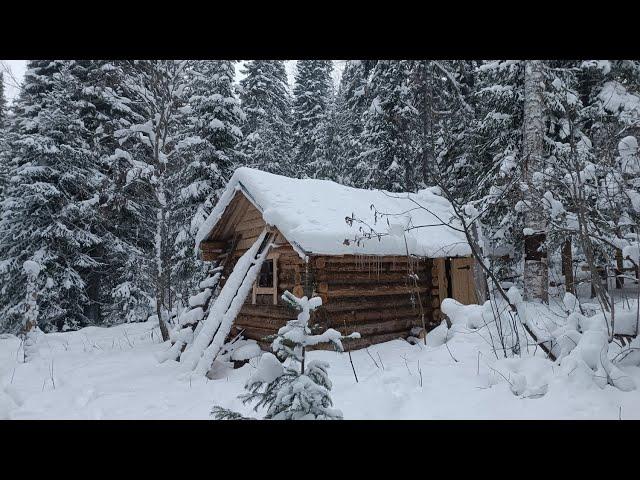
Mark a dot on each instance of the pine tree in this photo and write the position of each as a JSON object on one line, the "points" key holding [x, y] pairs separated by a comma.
{"points": [[207, 154], [266, 102], [312, 97], [49, 207]]}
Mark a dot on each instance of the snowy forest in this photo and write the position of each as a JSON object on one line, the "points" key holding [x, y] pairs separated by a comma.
{"points": [[108, 169]]}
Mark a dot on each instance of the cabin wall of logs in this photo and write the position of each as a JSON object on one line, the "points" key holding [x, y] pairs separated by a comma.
{"points": [[382, 298]]}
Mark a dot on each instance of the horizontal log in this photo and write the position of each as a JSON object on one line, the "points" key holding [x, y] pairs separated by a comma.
{"points": [[367, 316], [246, 243], [211, 245], [252, 214], [268, 311], [259, 336], [271, 324], [368, 291], [366, 341], [367, 277], [377, 328], [252, 232], [246, 224], [368, 303], [326, 260], [387, 267]]}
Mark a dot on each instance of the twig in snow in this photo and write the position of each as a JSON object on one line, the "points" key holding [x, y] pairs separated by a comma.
{"points": [[12, 374], [378, 353], [406, 364], [420, 372], [620, 412], [446, 344], [352, 367], [51, 375], [126, 336], [18, 350], [373, 359]]}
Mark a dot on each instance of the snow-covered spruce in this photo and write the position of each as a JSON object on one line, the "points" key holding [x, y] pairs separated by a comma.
{"points": [[292, 390]]}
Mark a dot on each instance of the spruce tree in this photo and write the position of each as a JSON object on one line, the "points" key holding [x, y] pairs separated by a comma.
{"points": [[388, 159], [3, 103], [50, 203], [351, 102], [312, 97], [266, 102], [119, 288], [496, 166], [206, 155]]}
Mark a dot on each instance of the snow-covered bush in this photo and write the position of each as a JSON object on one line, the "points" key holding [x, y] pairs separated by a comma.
{"points": [[292, 390]]}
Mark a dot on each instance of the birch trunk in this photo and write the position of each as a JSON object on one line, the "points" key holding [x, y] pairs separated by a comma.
{"points": [[536, 275]]}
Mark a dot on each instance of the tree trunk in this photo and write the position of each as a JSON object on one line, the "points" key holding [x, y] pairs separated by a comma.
{"points": [[536, 275], [619, 269], [567, 267]]}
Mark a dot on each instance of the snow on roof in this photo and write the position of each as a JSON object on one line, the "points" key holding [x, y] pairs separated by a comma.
{"points": [[311, 215]]}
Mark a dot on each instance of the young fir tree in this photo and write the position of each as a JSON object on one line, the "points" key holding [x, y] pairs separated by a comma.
{"points": [[295, 389], [312, 96], [49, 207], [206, 157], [266, 101]]}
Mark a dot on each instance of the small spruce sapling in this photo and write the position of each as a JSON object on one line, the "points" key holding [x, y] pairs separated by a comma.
{"points": [[294, 389]]}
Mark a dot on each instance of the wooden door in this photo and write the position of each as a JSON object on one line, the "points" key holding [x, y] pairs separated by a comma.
{"points": [[462, 280]]}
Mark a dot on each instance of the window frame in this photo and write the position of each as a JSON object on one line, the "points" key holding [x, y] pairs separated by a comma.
{"points": [[268, 290]]}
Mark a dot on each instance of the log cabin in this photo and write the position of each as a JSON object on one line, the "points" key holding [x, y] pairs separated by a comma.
{"points": [[382, 262]]}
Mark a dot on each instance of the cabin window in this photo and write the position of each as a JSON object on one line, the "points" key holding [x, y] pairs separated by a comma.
{"points": [[266, 274], [267, 281]]}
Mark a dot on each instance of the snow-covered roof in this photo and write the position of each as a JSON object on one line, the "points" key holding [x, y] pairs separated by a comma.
{"points": [[311, 215]]}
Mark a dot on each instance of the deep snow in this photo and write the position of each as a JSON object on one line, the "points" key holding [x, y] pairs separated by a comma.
{"points": [[113, 373]]}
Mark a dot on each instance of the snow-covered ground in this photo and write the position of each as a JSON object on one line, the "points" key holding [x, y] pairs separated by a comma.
{"points": [[113, 373]]}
